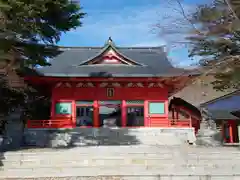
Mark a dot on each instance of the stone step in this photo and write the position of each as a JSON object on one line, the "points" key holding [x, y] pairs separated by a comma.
{"points": [[130, 149], [109, 155], [220, 167], [118, 170], [121, 160], [66, 157], [118, 162], [59, 159], [145, 177]]}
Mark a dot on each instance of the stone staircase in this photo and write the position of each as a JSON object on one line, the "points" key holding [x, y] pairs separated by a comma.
{"points": [[136, 160]]}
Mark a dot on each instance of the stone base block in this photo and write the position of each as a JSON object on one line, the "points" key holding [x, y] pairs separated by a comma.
{"points": [[108, 136]]}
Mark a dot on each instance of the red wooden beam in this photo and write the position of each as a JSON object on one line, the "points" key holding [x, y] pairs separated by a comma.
{"points": [[231, 131]]}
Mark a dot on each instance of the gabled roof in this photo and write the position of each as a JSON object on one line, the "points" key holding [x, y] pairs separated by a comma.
{"points": [[108, 47], [221, 98], [222, 115], [142, 62], [201, 91]]}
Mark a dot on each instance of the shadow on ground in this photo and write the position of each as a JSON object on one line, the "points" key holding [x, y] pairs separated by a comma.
{"points": [[34, 140], [52, 140]]}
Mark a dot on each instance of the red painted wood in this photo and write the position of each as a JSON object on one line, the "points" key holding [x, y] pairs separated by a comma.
{"points": [[195, 122], [52, 123], [74, 114], [62, 122], [190, 122], [233, 131], [124, 114], [146, 116], [71, 94], [97, 93], [230, 132], [96, 114], [52, 107], [159, 122], [53, 80]]}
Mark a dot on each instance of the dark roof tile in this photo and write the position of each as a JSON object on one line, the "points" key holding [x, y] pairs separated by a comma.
{"points": [[201, 91], [222, 115], [154, 60]]}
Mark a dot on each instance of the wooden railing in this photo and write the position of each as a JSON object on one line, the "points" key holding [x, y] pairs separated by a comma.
{"points": [[68, 123], [180, 122], [50, 123], [163, 122]]}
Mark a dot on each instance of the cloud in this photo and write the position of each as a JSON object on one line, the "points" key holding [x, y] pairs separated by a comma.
{"points": [[129, 26]]}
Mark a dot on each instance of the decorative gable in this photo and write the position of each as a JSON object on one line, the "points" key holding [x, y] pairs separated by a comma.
{"points": [[110, 55]]}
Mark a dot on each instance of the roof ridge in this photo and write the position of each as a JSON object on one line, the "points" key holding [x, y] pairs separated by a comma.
{"points": [[117, 47], [221, 97], [110, 45]]}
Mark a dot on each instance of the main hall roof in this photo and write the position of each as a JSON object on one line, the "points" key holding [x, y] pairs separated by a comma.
{"points": [[132, 62]]}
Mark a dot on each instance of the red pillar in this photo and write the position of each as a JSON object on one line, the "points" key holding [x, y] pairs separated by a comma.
{"points": [[52, 108], [231, 131], [74, 113], [124, 114], [147, 119], [95, 114], [190, 121]]}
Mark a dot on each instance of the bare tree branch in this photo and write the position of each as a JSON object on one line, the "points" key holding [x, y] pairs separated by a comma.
{"points": [[231, 9], [185, 16]]}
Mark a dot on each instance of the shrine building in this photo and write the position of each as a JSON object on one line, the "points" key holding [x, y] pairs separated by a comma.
{"points": [[111, 86]]}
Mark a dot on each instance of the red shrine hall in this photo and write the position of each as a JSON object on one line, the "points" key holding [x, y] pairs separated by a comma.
{"points": [[111, 86]]}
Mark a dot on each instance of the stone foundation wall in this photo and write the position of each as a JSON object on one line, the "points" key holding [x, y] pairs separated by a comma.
{"points": [[108, 136], [13, 133]]}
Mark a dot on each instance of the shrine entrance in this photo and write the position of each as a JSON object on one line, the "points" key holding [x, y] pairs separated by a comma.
{"points": [[110, 113]]}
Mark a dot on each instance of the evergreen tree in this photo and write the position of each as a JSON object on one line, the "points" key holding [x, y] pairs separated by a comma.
{"points": [[30, 29], [29, 32]]}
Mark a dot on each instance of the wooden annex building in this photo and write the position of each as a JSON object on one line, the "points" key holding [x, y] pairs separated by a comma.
{"points": [[111, 86], [220, 106]]}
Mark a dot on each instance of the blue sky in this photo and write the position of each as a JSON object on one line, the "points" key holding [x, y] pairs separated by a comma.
{"points": [[131, 23]]}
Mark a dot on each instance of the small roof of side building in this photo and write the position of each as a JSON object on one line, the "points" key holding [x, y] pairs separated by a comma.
{"points": [[201, 91], [127, 62], [222, 115]]}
